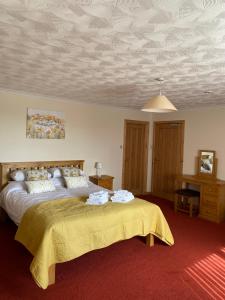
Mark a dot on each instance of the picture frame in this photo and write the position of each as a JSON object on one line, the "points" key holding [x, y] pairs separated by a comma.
{"points": [[207, 164], [44, 124]]}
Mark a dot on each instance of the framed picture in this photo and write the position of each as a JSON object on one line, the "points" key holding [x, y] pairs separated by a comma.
{"points": [[42, 124]]}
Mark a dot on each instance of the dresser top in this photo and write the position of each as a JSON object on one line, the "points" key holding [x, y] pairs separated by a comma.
{"points": [[198, 179], [104, 177]]}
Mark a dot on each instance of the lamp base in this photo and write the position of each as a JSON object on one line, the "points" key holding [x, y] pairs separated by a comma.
{"points": [[99, 173]]}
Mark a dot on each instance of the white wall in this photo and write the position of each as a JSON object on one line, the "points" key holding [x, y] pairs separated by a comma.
{"points": [[93, 133], [204, 129]]}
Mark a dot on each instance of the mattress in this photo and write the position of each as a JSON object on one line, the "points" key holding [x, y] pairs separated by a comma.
{"points": [[15, 200]]}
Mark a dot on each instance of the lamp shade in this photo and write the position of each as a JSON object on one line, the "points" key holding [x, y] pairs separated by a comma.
{"points": [[159, 104], [98, 165]]}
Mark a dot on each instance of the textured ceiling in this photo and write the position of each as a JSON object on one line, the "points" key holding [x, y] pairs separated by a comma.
{"points": [[109, 52]]}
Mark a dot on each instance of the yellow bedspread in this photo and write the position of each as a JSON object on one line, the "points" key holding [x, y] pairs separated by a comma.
{"points": [[61, 230]]}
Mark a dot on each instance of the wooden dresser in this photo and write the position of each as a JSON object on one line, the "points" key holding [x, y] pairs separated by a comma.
{"points": [[105, 181], [212, 196]]}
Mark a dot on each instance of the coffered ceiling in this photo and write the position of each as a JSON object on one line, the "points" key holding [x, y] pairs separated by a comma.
{"points": [[110, 51]]}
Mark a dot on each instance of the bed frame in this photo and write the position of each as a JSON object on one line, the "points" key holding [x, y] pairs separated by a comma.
{"points": [[7, 167]]}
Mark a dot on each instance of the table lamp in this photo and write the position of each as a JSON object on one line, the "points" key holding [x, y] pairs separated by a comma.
{"points": [[98, 167]]}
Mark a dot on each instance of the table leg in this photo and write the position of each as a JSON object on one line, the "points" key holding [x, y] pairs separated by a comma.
{"points": [[51, 275], [150, 240]]}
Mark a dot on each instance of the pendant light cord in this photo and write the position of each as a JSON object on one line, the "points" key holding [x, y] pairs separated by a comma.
{"points": [[160, 87]]}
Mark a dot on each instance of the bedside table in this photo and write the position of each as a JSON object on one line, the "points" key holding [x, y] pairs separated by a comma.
{"points": [[104, 181]]}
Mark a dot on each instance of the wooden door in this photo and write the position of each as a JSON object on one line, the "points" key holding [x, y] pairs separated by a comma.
{"points": [[135, 156], [167, 157]]}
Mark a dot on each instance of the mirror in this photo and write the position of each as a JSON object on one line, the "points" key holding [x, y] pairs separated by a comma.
{"points": [[207, 163]]}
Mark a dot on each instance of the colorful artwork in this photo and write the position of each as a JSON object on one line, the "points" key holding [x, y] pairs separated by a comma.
{"points": [[45, 124]]}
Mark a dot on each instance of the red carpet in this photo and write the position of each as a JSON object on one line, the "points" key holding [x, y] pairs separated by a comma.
{"points": [[194, 268]]}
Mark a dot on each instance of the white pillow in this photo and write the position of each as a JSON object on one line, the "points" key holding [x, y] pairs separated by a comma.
{"points": [[58, 182], [14, 186], [82, 173], [18, 175], [76, 182], [40, 186], [70, 171], [55, 172]]}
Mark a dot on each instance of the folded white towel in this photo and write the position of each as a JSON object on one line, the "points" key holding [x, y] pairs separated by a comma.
{"points": [[98, 198], [122, 196]]}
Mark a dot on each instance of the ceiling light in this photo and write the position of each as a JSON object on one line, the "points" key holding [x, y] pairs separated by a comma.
{"points": [[160, 103]]}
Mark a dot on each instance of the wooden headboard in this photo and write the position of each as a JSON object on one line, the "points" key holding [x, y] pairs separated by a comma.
{"points": [[7, 167]]}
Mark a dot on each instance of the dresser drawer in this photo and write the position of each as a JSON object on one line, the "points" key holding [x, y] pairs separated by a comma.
{"points": [[106, 184], [209, 201], [209, 214], [211, 189], [210, 210], [105, 181]]}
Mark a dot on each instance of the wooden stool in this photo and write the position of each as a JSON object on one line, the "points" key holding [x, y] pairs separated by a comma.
{"points": [[187, 200]]}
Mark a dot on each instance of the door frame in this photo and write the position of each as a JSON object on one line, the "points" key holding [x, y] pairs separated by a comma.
{"points": [[146, 123], [182, 122]]}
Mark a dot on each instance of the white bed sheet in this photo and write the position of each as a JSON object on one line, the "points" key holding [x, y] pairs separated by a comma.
{"points": [[15, 200]]}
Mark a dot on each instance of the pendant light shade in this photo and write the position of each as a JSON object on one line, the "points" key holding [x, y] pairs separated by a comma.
{"points": [[160, 103]]}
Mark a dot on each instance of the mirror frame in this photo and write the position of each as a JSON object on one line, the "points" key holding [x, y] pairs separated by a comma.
{"points": [[214, 169]]}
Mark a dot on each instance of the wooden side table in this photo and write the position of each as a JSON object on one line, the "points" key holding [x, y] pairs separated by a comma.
{"points": [[105, 181]]}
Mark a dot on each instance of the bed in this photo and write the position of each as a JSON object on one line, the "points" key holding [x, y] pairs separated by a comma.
{"points": [[59, 226]]}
